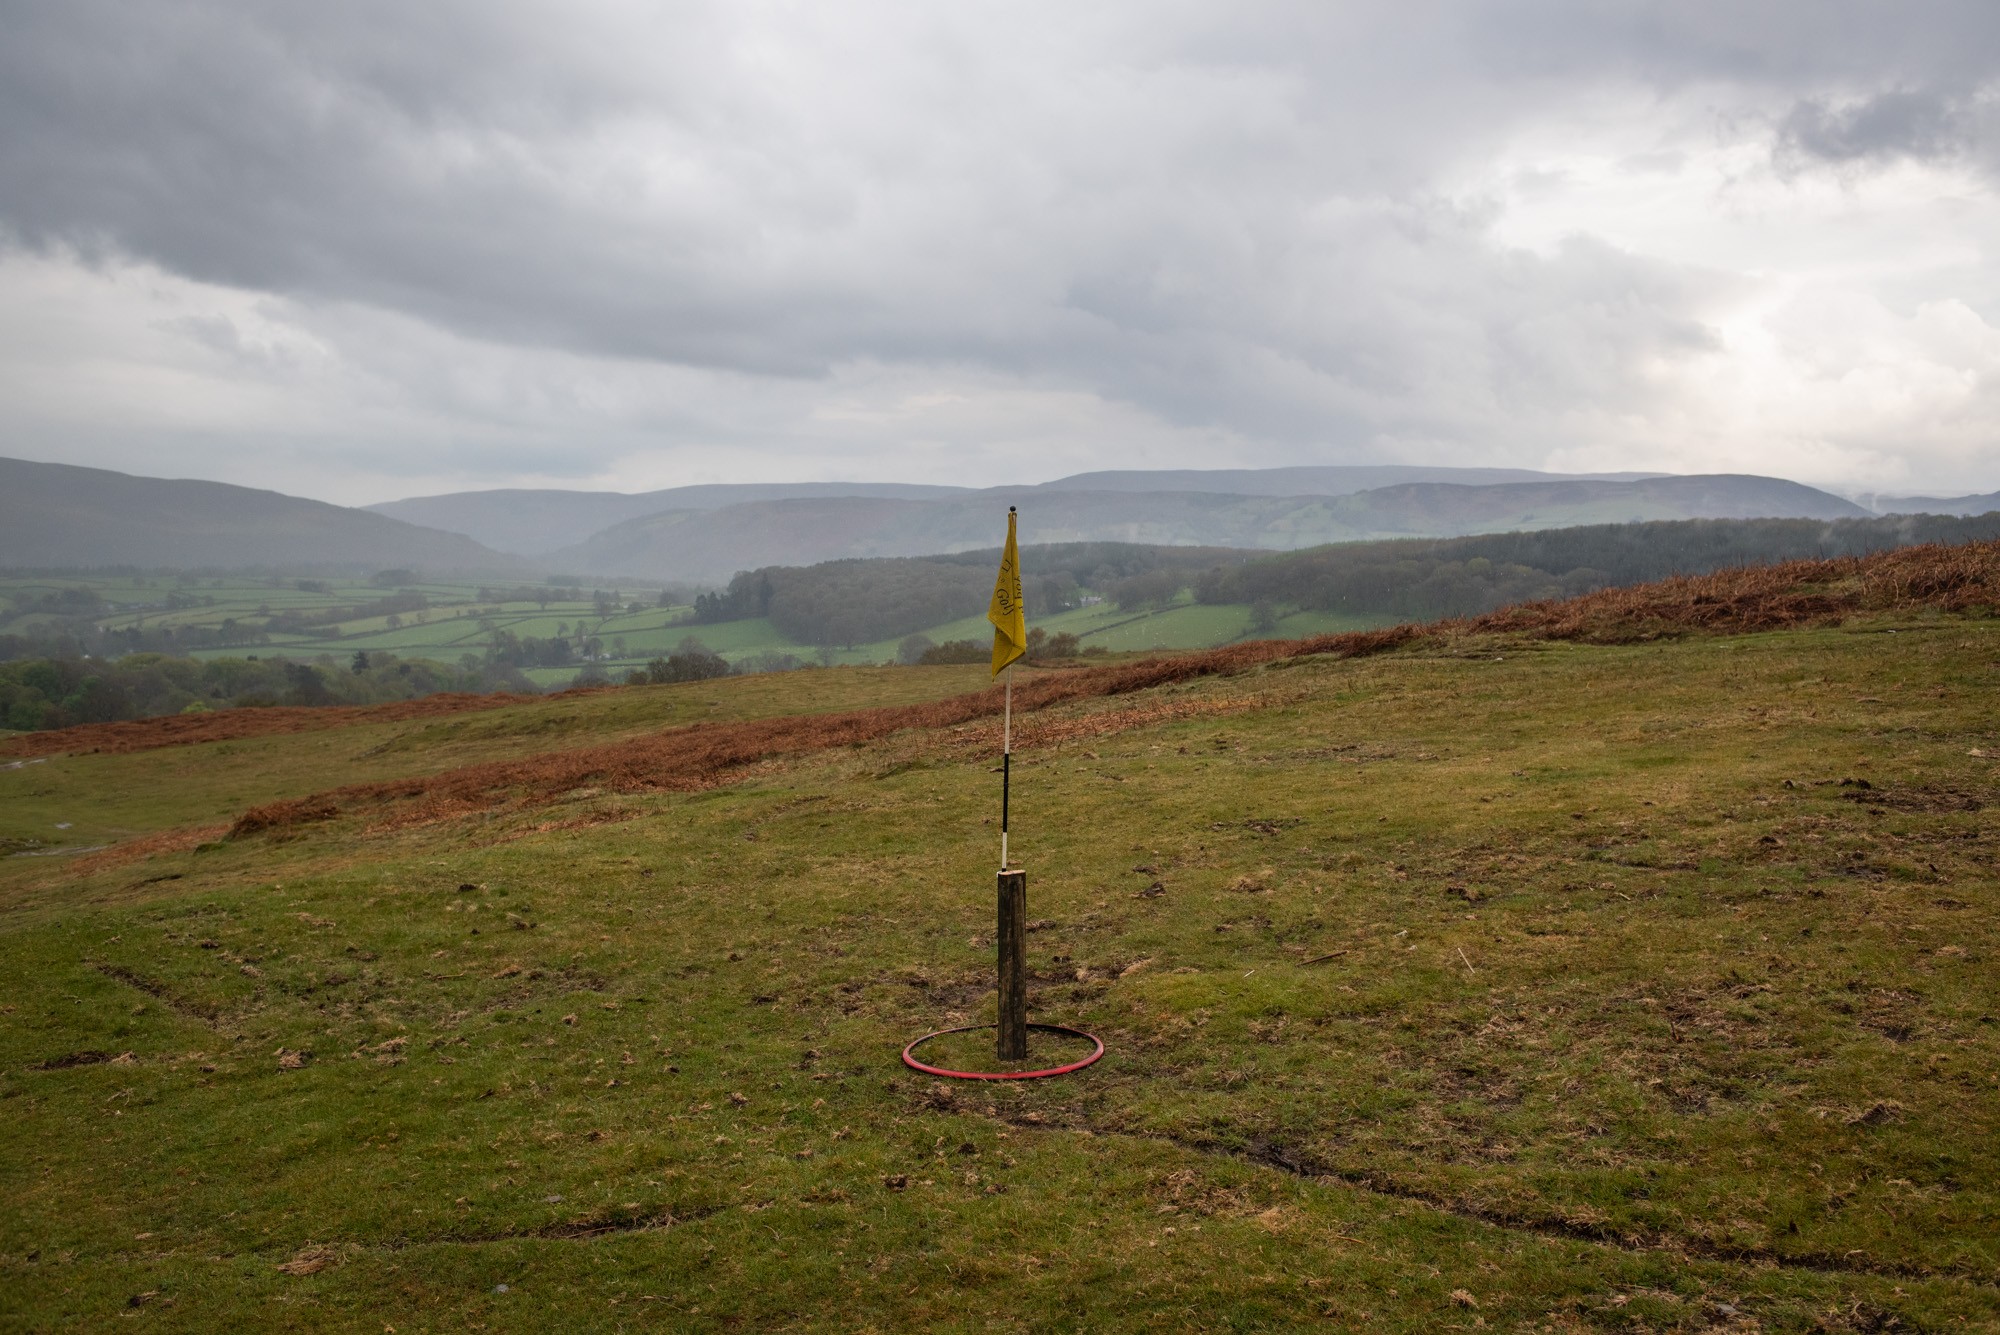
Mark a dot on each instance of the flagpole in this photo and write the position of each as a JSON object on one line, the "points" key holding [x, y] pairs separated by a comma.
{"points": [[1010, 641], [1006, 761]]}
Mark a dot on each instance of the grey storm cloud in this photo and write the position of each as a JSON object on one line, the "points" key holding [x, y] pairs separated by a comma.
{"points": [[1922, 125], [1223, 213]]}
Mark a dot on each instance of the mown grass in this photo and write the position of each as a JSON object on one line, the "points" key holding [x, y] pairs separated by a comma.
{"points": [[1488, 983]]}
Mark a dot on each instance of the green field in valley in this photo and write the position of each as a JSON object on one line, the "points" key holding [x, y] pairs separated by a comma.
{"points": [[458, 622], [1486, 984]]}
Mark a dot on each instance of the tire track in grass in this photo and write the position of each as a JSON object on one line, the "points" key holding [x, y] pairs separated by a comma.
{"points": [[118, 973], [1271, 1154], [314, 1257], [582, 1229]]}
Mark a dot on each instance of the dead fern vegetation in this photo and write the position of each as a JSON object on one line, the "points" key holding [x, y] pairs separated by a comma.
{"points": [[1790, 596]]}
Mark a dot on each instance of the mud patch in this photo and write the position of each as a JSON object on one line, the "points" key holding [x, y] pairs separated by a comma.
{"points": [[159, 991]]}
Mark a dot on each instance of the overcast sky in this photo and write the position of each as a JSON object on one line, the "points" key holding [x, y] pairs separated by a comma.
{"points": [[374, 249]]}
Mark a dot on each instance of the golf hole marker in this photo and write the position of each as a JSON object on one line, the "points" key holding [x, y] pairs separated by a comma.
{"points": [[1010, 642]]}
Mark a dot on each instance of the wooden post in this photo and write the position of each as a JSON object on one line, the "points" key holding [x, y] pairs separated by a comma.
{"points": [[1013, 942]]}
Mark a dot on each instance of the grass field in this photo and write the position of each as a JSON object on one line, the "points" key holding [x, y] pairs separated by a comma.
{"points": [[458, 622], [1492, 983]]}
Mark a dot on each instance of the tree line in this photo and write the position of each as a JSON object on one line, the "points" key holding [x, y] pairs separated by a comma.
{"points": [[863, 600], [83, 639], [1418, 579], [40, 693]]}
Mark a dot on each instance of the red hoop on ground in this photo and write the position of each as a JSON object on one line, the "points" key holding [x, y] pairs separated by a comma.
{"points": [[1096, 1044]]}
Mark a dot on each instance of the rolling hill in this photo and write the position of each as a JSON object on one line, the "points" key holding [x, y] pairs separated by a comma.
{"points": [[58, 515], [535, 522], [1940, 505], [712, 544], [62, 516], [1311, 479]]}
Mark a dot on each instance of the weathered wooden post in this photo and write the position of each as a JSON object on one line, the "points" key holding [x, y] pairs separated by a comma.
{"points": [[1013, 942]]}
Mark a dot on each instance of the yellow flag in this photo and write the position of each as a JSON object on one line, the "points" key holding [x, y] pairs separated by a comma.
{"points": [[1010, 622]]}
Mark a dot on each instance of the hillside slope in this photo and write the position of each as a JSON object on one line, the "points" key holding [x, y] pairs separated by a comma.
{"points": [[711, 545], [1311, 479], [1788, 596], [1424, 509], [1462, 986], [59, 515], [1941, 505], [536, 522], [1419, 578]]}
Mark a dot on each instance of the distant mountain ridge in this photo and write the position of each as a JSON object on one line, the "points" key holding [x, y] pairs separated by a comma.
{"points": [[1939, 505], [64, 516], [537, 522], [57, 515], [711, 545], [1313, 479], [530, 522]]}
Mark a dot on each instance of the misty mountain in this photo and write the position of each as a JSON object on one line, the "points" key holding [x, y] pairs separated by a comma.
{"points": [[711, 545], [534, 523], [538, 522], [59, 515], [1939, 505], [1423, 509], [1311, 480]]}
